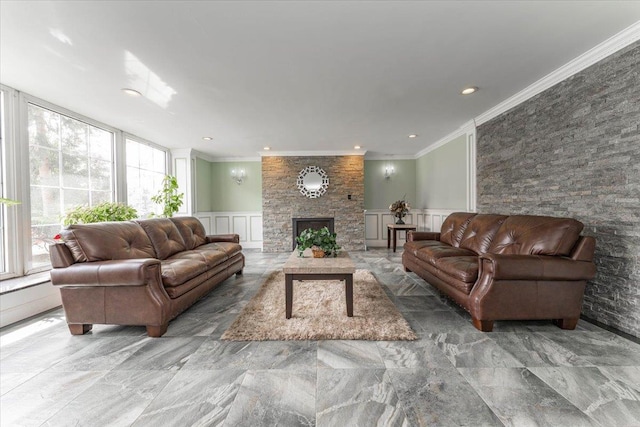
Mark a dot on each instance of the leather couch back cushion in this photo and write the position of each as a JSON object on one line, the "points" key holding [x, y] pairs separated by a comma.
{"points": [[480, 232], [104, 241], [536, 235], [191, 230], [164, 236], [454, 226]]}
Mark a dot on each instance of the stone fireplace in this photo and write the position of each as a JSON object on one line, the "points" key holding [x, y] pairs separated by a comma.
{"points": [[282, 201]]}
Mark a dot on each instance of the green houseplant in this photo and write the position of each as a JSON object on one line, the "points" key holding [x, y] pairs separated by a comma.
{"points": [[106, 211], [168, 196], [321, 239]]}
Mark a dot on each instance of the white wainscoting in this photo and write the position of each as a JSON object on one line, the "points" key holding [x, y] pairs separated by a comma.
{"points": [[248, 225], [27, 302], [376, 220]]}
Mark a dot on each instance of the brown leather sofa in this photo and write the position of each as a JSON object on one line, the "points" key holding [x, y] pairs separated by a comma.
{"points": [[142, 272], [501, 267]]}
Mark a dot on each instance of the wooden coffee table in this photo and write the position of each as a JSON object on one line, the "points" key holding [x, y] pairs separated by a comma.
{"points": [[309, 268]]}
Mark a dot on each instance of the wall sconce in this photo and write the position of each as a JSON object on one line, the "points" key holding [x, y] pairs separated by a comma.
{"points": [[388, 171], [238, 175]]}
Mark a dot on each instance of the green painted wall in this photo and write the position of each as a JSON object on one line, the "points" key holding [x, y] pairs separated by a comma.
{"points": [[203, 190], [379, 192], [441, 177], [227, 196]]}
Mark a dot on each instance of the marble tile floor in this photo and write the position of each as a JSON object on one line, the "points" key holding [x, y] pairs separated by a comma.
{"points": [[522, 374]]}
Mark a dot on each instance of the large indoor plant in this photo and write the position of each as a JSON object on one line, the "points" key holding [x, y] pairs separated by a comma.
{"points": [[106, 211], [169, 197], [318, 240]]}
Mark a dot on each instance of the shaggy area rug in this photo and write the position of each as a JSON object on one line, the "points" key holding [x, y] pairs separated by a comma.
{"points": [[320, 313]]}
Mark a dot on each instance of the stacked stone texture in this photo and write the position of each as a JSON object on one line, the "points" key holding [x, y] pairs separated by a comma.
{"points": [[282, 200], [574, 151]]}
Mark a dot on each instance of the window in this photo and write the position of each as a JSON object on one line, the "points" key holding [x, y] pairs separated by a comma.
{"points": [[70, 163], [146, 167], [3, 192]]}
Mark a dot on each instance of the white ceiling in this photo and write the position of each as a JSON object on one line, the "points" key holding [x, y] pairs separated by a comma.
{"points": [[296, 76]]}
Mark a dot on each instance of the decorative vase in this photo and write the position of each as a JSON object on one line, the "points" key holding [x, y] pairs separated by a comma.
{"points": [[399, 220], [318, 253]]}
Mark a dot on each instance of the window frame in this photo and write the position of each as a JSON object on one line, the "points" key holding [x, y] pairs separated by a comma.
{"points": [[10, 186], [25, 100], [17, 181], [127, 136]]}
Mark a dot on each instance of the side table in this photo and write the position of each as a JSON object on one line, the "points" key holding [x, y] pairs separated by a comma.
{"points": [[395, 228]]}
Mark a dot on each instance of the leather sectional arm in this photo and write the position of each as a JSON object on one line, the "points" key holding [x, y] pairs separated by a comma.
{"points": [[422, 235], [60, 255], [121, 272], [535, 267], [232, 238]]}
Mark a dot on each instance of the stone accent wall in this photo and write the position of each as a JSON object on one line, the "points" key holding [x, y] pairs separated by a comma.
{"points": [[574, 150], [281, 199]]}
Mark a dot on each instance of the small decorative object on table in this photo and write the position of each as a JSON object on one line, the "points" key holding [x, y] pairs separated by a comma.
{"points": [[322, 242], [317, 252], [400, 208]]}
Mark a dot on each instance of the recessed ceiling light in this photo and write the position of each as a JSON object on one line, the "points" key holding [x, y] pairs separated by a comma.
{"points": [[131, 92], [207, 138], [267, 148], [469, 90], [356, 147], [413, 135]]}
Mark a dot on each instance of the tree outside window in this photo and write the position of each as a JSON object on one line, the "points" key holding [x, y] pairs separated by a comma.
{"points": [[71, 163], [146, 168]]}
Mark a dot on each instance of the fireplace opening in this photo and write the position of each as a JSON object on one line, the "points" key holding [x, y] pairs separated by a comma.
{"points": [[301, 224]]}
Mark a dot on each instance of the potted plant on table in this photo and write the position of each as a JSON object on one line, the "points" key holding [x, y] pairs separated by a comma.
{"points": [[322, 242]]}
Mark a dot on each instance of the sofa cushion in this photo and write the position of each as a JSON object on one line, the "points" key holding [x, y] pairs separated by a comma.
{"points": [[432, 254], [176, 271], [459, 285], [536, 235], [463, 268], [230, 249], [104, 241], [480, 232], [177, 291], [211, 257], [454, 226], [164, 236], [414, 246], [191, 230]]}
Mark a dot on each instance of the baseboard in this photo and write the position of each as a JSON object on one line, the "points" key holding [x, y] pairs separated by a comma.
{"points": [[24, 303], [611, 329]]}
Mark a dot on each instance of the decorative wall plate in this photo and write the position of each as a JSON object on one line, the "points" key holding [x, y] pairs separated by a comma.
{"points": [[313, 182]]}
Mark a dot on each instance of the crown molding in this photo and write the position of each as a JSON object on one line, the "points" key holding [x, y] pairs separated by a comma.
{"points": [[373, 156], [465, 129], [202, 155], [613, 44], [312, 153], [234, 159]]}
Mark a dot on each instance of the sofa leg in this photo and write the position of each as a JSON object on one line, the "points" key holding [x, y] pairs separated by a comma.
{"points": [[157, 331], [239, 273], [566, 323], [79, 328], [407, 270], [483, 325]]}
